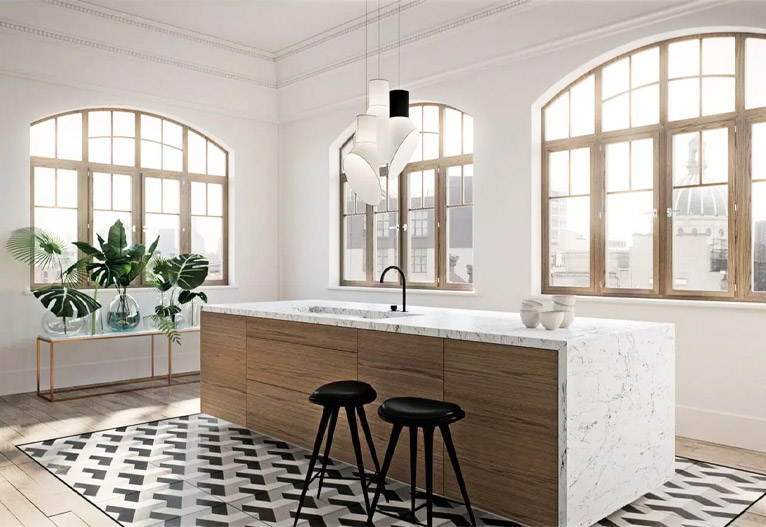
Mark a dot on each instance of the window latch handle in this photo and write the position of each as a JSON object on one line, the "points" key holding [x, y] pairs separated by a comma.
{"points": [[404, 227]]}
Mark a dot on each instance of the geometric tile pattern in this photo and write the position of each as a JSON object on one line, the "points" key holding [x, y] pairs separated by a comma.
{"points": [[202, 471]]}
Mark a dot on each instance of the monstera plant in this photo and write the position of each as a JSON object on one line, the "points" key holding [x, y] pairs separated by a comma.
{"points": [[174, 279], [116, 265], [66, 306]]}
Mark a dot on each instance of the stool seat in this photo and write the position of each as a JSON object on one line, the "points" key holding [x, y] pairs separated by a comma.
{"points": [[344, 393], [415, 411]]}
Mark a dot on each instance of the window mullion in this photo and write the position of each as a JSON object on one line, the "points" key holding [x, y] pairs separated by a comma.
{"points": [[369, 218]]}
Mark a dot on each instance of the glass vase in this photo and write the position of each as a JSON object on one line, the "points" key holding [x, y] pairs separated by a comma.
{"points": [[63, 326], [193, 311], [123, 314], [94, 323]]}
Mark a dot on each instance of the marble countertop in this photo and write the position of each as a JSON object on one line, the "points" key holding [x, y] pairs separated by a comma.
{"points": [[461, 324]]}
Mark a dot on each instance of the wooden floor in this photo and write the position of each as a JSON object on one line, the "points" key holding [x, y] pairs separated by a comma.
{"points": [[31, 497]]}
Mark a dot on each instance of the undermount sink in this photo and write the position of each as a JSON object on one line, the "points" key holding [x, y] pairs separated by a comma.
{"points": [[373, 314]]}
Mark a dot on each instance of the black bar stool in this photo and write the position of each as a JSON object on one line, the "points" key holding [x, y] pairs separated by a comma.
{"points": [[414, 413], [351, 395]]}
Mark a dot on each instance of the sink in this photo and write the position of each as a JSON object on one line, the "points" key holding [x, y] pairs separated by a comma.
{"points": [[372, 314]]}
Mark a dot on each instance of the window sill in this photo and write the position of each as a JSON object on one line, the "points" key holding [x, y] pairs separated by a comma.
{"points": [[397, 290], [670, 302]]}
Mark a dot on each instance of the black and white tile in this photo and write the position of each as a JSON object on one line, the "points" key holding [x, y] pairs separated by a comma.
{"points": [[202, 471]]}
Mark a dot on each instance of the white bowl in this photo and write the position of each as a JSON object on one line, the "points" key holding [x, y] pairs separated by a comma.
{"points": [[531, 319], [567, 300], [552, 319], [562, 307], [530, 303], [568, 318]]}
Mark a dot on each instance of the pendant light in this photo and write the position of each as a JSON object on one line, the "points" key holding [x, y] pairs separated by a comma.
{"points": [[362, 165], [403, 134], [379, 105]]}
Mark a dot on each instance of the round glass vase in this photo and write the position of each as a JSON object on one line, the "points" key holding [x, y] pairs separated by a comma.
{"points": [[124, 313], [56, 326], [165, 299], [192, 313], [94, 323]]}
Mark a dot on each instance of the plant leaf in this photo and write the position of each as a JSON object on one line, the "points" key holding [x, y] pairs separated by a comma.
{"points": [[89, 250], [137, 267], [36, 247], [168, 327], [66, 302], [184, 297], [189, 270], [117, 237]]}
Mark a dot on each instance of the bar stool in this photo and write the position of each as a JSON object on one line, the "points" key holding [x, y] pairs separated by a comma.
{"points": [[414, 413], [351, 395]]}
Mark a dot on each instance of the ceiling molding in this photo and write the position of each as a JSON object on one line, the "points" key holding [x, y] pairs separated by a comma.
{"points": [[343, 29], [102, 46], [106, 13]]}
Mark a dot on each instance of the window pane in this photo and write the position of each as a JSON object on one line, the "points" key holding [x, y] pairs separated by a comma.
{"points": [[557, 118], [62, 223], [214, 199], [430, 146], [759, 236], [629, 220], [642, 164], [755, 73], [558, 173], [104, 219], [718, 56], [216, 160], [348, 198], [66, 188], [151, 128], [207, 240], [583, 107], [198, 198], [686, 152], [99, 124], [354, 239], [172, 158], [460, 245], [170, 196], [153, 194], [421, 246], [580, 171], [615, 113], [166, 226], [393, 193], [617, 167], [197, 153], [468, 184], [124, 124], [645, 67], [715, 156], [124, 152], [684, 58], [453, 131], [416, 114], [429, 177], [683, 99], [386, 244], [70, 137], [172, 134], [100, 150], [45, 187], [717, 95], [454, 185], [122, 187], [758, 142], [431, 118], [102, 191], [467, 134], [645, 106], [615, 78], [569, 235], [415, 182], [701, 238], [417, 154], [151, 155], [42, 139]]}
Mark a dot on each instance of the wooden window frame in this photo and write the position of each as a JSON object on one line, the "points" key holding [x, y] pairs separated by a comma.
{"points": [[85, 170], [439, 165], [739, 122]]}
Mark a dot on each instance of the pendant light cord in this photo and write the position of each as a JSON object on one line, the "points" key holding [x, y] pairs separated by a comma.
{"points": [[366, 84], [379, 38], [399, 44]]}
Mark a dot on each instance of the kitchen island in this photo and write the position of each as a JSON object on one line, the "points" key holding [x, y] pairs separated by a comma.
{"points": [[563, 427]]}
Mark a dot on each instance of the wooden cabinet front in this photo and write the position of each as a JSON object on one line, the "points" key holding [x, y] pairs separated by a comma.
{"points": [[223, 367]]}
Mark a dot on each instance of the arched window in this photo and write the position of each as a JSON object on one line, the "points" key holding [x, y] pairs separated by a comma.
{"points": [[90, 168], [665, 140], [424, 223]]}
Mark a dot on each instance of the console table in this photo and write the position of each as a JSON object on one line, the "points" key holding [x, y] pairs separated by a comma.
{"points": [[51, 394]]}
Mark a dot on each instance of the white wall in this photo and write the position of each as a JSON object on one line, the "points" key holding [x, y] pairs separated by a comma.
{"points": [[41, 75], [496, 70]]}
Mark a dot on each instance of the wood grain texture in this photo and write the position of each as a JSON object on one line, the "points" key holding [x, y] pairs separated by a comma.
{"points": [[316, 335], [226, 403], [508, 442], [223, 366]]}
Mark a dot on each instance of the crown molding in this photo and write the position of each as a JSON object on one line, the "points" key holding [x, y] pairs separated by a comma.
{"points": [[114, 15], [132, 53]]}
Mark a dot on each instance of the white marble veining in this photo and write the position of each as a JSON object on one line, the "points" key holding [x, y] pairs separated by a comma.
{"points": [[616, 389]]}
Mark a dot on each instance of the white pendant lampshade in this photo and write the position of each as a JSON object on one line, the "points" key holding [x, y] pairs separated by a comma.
{"points": [[404, 134], [361, 165], [379, 107]]}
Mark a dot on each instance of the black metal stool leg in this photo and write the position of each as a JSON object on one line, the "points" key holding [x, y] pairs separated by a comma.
{"points": [[312, 463], [428, 441], [350, 413], [456, 467], [370, 444], [413, 467], [328, 445], [384, 471]]}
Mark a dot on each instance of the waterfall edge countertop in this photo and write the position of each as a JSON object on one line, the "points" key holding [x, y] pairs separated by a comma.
{"points": [[494, 327]]}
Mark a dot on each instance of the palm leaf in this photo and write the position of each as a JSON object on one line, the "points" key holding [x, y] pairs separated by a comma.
{"points": [[139, 264], [189, 270], [66, 302], [168, 327], [75, 273], [37, 247], [184, 297]]}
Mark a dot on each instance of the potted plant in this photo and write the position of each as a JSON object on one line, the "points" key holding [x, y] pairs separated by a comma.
{"points": [[116, 264], [174, 279], [67, 308]]}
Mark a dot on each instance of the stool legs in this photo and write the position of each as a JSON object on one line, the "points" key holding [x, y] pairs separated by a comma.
{"points": [[413, 467], [384, 471], [330, 433], [350, 413], [370, 445], [326, 412], [428, 442], [456, 467]]}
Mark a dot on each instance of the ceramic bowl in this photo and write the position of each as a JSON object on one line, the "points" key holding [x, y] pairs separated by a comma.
{"points": [[531, 319], [530, 304], [567, 300], [569, 316], [552, 319]]}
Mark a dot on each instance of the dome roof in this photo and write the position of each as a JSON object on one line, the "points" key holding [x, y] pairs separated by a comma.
{"points": [[700, 201]]}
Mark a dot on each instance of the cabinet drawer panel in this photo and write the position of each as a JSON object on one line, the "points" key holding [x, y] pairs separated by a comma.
{"points": [[332, 337], [226, 403], [295, 366], [223, 350]]}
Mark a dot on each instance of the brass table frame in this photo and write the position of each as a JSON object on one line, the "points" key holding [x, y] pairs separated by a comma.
{"points": [[172, 379]]}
